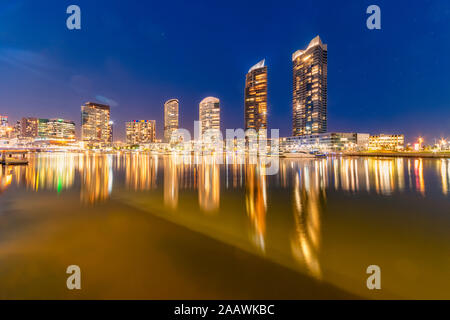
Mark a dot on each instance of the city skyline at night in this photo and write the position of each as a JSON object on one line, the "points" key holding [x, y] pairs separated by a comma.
{"points": [[367, 91]]}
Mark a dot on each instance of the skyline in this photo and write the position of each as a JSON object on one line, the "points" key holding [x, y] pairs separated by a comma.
{"points": [[39, 74]]}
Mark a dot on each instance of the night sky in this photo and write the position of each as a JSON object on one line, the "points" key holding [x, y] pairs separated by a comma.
{"points": [[136, 54]]}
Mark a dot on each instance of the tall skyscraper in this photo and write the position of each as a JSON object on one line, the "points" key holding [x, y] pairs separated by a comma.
{"points": [[171, 109], [141, 131], [209, 114], [255, 96], [310, 89], [96, 127], [29, 128]]}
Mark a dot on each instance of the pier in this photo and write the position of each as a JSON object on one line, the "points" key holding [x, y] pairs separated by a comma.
{"points": [[13, 157]]}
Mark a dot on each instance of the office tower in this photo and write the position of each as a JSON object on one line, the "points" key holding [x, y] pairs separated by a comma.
{"points": [[209, 114], [96, 127], [29, 127], [141, 131], [255, 96], [171, 109], [310, 89]]}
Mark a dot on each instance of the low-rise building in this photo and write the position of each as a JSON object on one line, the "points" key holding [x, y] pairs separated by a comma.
{"points": [[387, 142], [329, 142]]}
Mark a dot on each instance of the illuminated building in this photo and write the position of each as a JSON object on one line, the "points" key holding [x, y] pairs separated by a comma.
{"points": [[5, 130], [171, 112], [96, 127], [387, 142], [29, 128], [255, 96], [310, 89], [330, 141], [3, 121], [209, 114], [140, 131], [60, 129]]}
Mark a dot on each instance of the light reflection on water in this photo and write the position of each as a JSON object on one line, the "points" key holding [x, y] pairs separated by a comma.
{"points": [[287, 218]]}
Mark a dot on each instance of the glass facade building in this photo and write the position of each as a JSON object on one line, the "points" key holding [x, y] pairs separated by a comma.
{"points": [[310, 89], [209, 114], [255, 97], [171, 115], [141, 131], [96, 127]]}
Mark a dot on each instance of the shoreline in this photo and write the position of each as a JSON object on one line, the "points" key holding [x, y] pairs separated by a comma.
{"points": [[399, 154]]}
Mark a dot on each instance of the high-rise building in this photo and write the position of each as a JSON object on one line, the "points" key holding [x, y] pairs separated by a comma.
{"points": [[171, 112], [141, 131], [29, 128], [96, 127], [255, 97], [209, 114], [310, 89]]}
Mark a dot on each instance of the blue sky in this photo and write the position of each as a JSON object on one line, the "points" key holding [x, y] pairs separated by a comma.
{"points": [[136, 54]]}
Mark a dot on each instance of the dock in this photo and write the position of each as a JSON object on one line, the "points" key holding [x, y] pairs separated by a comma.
{"points": [[7, 157]]}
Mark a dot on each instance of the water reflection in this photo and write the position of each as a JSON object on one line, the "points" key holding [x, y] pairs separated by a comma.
{"points": [[305, 242], [95, 173], [445, 174], [170, 182], [96, 178], [209, 186], [141, 171], [307, 217], [256, 203]]}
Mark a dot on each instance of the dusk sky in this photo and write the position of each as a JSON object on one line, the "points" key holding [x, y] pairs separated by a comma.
{"points": [[136, 54]]}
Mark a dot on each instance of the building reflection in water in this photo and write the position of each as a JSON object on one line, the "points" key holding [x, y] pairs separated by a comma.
{"points": [[5, 178], [170, 182], [93, 174], [51, 172], [308, 192], [140, 171], [256, 203], [209, 185], [96, 177], [445, 175]]}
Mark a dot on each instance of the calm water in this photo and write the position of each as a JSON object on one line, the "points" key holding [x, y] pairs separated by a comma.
{"points": [[143, 226]]}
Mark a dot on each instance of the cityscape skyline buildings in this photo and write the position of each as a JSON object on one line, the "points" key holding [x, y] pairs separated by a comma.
{"points": [[58, 79]]}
